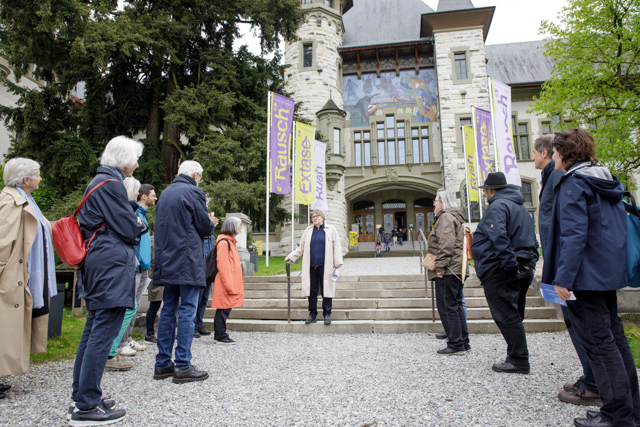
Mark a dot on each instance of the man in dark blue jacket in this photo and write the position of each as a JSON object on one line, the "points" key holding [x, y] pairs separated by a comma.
{"points": [[182, 223], [584, 391], [505, 251]]}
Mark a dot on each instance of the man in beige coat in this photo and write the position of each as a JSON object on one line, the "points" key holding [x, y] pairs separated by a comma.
{"points": [[321, 245], [18, 231]]}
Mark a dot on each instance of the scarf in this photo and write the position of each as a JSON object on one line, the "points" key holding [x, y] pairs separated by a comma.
{"points": [[36, 261]]}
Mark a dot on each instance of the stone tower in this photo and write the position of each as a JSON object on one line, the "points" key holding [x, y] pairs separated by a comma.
{"points": [[314, 77]]}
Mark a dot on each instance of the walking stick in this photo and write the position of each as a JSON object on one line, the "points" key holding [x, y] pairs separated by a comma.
{"points": [[288, 291]]}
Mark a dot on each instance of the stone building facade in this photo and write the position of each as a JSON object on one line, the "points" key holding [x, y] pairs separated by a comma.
{"points": [[389, 85]]}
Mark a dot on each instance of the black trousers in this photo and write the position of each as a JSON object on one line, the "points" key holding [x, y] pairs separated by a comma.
{"points": [[449, 302], [152, 313], [202, 305], [594, 315], [316, 282], [220, 323], [507, 295]]}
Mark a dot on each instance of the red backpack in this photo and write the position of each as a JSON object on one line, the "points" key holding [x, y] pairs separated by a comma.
{"points": [[67, 236]]}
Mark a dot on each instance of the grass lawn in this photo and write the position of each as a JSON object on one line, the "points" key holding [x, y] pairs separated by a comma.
{"points": [[276, 266], [66, 345], [632, 331]]}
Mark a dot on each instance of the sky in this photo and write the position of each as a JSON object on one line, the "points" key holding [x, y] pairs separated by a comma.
{"points": [[513, 21], [516, 20]]}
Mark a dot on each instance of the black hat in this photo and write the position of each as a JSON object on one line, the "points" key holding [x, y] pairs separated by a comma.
{"points": [[495, 180]]}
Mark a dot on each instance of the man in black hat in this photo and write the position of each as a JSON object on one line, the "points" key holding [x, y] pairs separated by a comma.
{"points": [[505, 252]]}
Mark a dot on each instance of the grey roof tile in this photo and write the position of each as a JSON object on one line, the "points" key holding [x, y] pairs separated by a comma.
{"points": [[518, 63]]}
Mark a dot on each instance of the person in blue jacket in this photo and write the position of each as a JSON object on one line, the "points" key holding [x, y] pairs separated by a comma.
{"points": [[182, 223], [205, 292], [505, 251], [584, 391], [107, 277], [587, 256]]}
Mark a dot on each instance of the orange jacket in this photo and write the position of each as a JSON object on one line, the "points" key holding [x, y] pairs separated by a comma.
{"points": [[228, 288]]}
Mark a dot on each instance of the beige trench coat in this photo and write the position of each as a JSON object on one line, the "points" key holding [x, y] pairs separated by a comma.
{"points": [[332, 257], [20, 335]]}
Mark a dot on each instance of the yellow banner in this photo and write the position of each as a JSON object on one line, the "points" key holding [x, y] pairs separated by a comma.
{"points": [[305, 169], [470, 153], [259, 247], [353, 238]]}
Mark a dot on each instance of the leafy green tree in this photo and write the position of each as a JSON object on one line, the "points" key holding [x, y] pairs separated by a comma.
{"points": [[595, 78], [165, 68]]}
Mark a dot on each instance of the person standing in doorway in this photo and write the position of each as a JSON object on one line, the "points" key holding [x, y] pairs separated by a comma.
{"points": [[321, 245], [394, 235]]}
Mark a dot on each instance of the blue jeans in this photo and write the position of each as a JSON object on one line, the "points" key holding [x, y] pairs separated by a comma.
{"points": [[378, 253], [203, 297], [101, 329], [386, 247], [182, 300], [400, 241]]}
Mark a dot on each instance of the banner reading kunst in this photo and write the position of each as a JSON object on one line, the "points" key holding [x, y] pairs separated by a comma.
{"points": [[280, 129], [305, 171], [320, 149], [469, 151], [482, 121], [506, 156]]}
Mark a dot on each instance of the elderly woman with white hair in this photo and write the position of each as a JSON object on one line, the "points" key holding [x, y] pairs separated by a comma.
{"points": [[27, 270], [445, 244], [321, 245], [228, 288], [112, 228]]}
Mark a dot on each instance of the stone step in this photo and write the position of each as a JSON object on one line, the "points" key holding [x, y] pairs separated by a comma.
{"points": [[379, 326], [371, 303], [374, 314], [351, 284], [367, 293]]}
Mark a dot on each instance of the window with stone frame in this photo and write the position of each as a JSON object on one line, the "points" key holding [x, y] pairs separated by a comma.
{"points": [[420, 144], [521, 139], [391, 141], [527, 194], [307, 55], [362, 148], [328, 3], [551, 126], [336, 141], [460, 60], [307, 1]]}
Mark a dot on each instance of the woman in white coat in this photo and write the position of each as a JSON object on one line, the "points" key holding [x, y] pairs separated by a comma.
{"points": [[321, 245]]}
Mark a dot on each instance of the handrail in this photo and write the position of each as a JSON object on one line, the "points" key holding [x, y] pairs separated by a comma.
{"points": [[289, 284]]}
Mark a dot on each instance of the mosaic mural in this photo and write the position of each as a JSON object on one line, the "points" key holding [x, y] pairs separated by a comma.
{"points": [[407, 93]]}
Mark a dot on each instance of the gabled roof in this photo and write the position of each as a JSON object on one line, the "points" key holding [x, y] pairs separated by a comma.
{"points": [[375, 22], [447, 5], [518, 63]]}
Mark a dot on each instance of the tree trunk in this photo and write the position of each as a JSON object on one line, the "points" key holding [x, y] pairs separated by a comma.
{"points": [[154, 122], [170, 138]]}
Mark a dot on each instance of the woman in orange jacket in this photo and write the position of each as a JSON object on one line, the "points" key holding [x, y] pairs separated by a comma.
{"points": [[228, 288]]}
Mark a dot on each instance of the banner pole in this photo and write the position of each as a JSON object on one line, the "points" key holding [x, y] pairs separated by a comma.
{"points": [[268, 169], [466, 173], [293, 185], [493, 126], [476, 157]]}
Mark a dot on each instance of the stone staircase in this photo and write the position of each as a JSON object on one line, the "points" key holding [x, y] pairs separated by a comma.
{"points": [[373, 304]]}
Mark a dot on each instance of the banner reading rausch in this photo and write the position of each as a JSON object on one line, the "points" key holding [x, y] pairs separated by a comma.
{"points": [[280, 128], [506, 157]]}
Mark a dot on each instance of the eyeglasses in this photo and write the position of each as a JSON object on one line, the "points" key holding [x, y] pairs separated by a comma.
{"points": [[315, 216]]}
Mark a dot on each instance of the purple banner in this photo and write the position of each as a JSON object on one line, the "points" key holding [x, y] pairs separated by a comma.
{"points": [[482, 121], [280, 128]]}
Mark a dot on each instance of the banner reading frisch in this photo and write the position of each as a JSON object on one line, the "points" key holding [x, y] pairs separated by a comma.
{"points": [[320, 149], [280, 128], [305, 171], [470, 153], [482, 121]]}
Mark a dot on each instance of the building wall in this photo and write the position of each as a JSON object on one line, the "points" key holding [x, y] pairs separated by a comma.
{"points": [[457, 97]]}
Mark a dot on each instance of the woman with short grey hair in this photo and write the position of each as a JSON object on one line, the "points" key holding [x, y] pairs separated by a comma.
{"points": [[108, 277], [228, 287], [445, 244], [321, 243], [25, 237]]}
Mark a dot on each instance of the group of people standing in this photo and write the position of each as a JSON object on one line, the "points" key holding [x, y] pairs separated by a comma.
{"points": [[113, 221], [583, 232]]}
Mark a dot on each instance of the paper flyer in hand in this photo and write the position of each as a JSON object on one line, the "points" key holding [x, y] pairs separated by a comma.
{"points": [[549, 294]]}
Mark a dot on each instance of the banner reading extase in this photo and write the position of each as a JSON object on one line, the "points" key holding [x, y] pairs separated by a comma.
{"points": [[482, 121], [305, 171], [320, 150], [506, 156], [280, 130]]}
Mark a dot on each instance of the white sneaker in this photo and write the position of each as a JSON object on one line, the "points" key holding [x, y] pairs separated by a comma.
{"points": [[127, 351], [137, 346]]}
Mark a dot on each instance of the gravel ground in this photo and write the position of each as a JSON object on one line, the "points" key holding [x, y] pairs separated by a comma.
{"points": [[276, 379]]}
